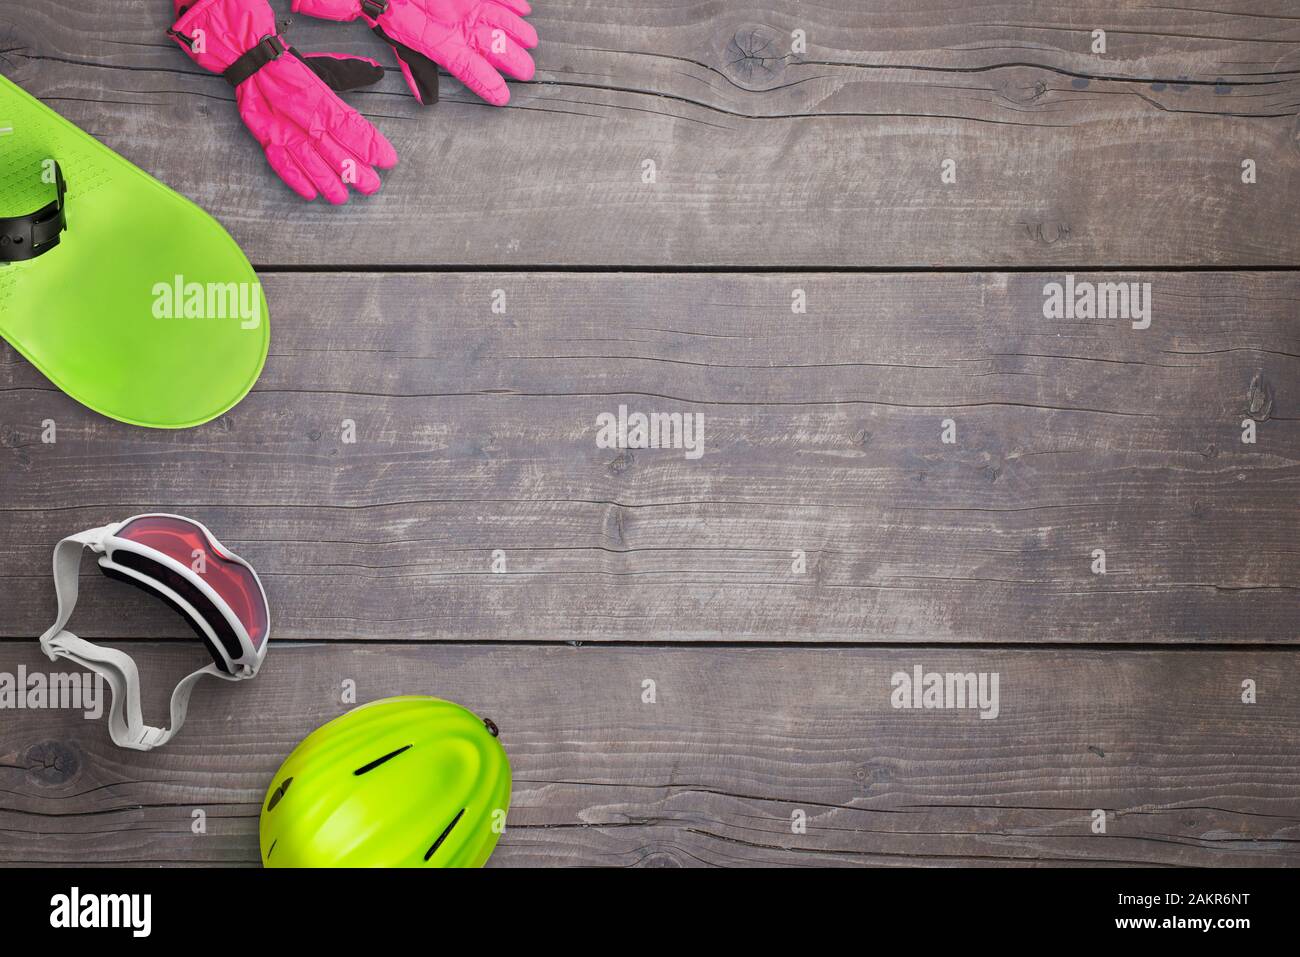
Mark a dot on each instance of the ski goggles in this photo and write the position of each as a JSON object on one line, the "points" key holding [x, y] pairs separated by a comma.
{"points": [[181, 562]]}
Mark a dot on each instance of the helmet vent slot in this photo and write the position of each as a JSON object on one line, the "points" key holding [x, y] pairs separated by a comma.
{"points": [[378, 761], [271, 850], [278, 793], [443, 836]]}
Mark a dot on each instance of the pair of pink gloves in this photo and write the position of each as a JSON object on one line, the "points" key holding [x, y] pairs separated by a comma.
{"points": [[317, 143]]}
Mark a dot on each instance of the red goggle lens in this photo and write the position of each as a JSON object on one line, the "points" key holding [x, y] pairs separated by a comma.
{"points": [[185, 542]]}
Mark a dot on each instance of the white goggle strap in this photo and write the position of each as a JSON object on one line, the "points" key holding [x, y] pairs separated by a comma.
{"points": [[125, 724]]}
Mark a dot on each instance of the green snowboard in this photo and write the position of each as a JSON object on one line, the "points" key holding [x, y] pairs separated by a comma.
{"points": [[146, 311]]}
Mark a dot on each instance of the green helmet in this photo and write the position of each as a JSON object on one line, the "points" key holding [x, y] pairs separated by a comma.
{"points": [[411, 781]]}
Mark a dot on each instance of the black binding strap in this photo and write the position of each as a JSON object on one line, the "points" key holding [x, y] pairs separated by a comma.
{"points": [[26, 237], [269, 48], [373, 8]]}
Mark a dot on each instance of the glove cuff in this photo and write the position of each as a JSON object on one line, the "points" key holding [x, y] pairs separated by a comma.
{"points": [[342, 10], [218, 33]]}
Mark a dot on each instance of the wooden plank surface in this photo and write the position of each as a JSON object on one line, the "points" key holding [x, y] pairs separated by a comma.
{"points": [[762, 157], [476, 432], [711, 773]]}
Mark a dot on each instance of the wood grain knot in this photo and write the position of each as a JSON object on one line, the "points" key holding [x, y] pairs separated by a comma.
{"points": [[755, 56], [16, 443], [1021, 90], [874, 774], [659, 859], [51, 764], [1259, 401], [621, 462]]}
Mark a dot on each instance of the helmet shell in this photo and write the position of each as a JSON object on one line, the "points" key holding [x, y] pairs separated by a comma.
{"points": [[411, 781]]}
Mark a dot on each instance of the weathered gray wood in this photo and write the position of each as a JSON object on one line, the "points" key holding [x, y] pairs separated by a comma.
{"points": [[476, 432], [763, 158], [711, 774]]}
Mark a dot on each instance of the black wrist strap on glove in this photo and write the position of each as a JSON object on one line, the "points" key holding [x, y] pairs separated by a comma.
{"points": [[26, 237], [267, 49], [339, 73]]}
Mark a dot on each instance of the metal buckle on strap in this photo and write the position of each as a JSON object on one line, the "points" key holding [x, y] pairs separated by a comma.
{"points": [[266, 50], [26, 237], [272, 46], [374, 8]]}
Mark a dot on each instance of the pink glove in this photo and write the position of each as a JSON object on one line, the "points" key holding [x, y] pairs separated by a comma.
{"points": [[313, 140], [472, 39]]}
